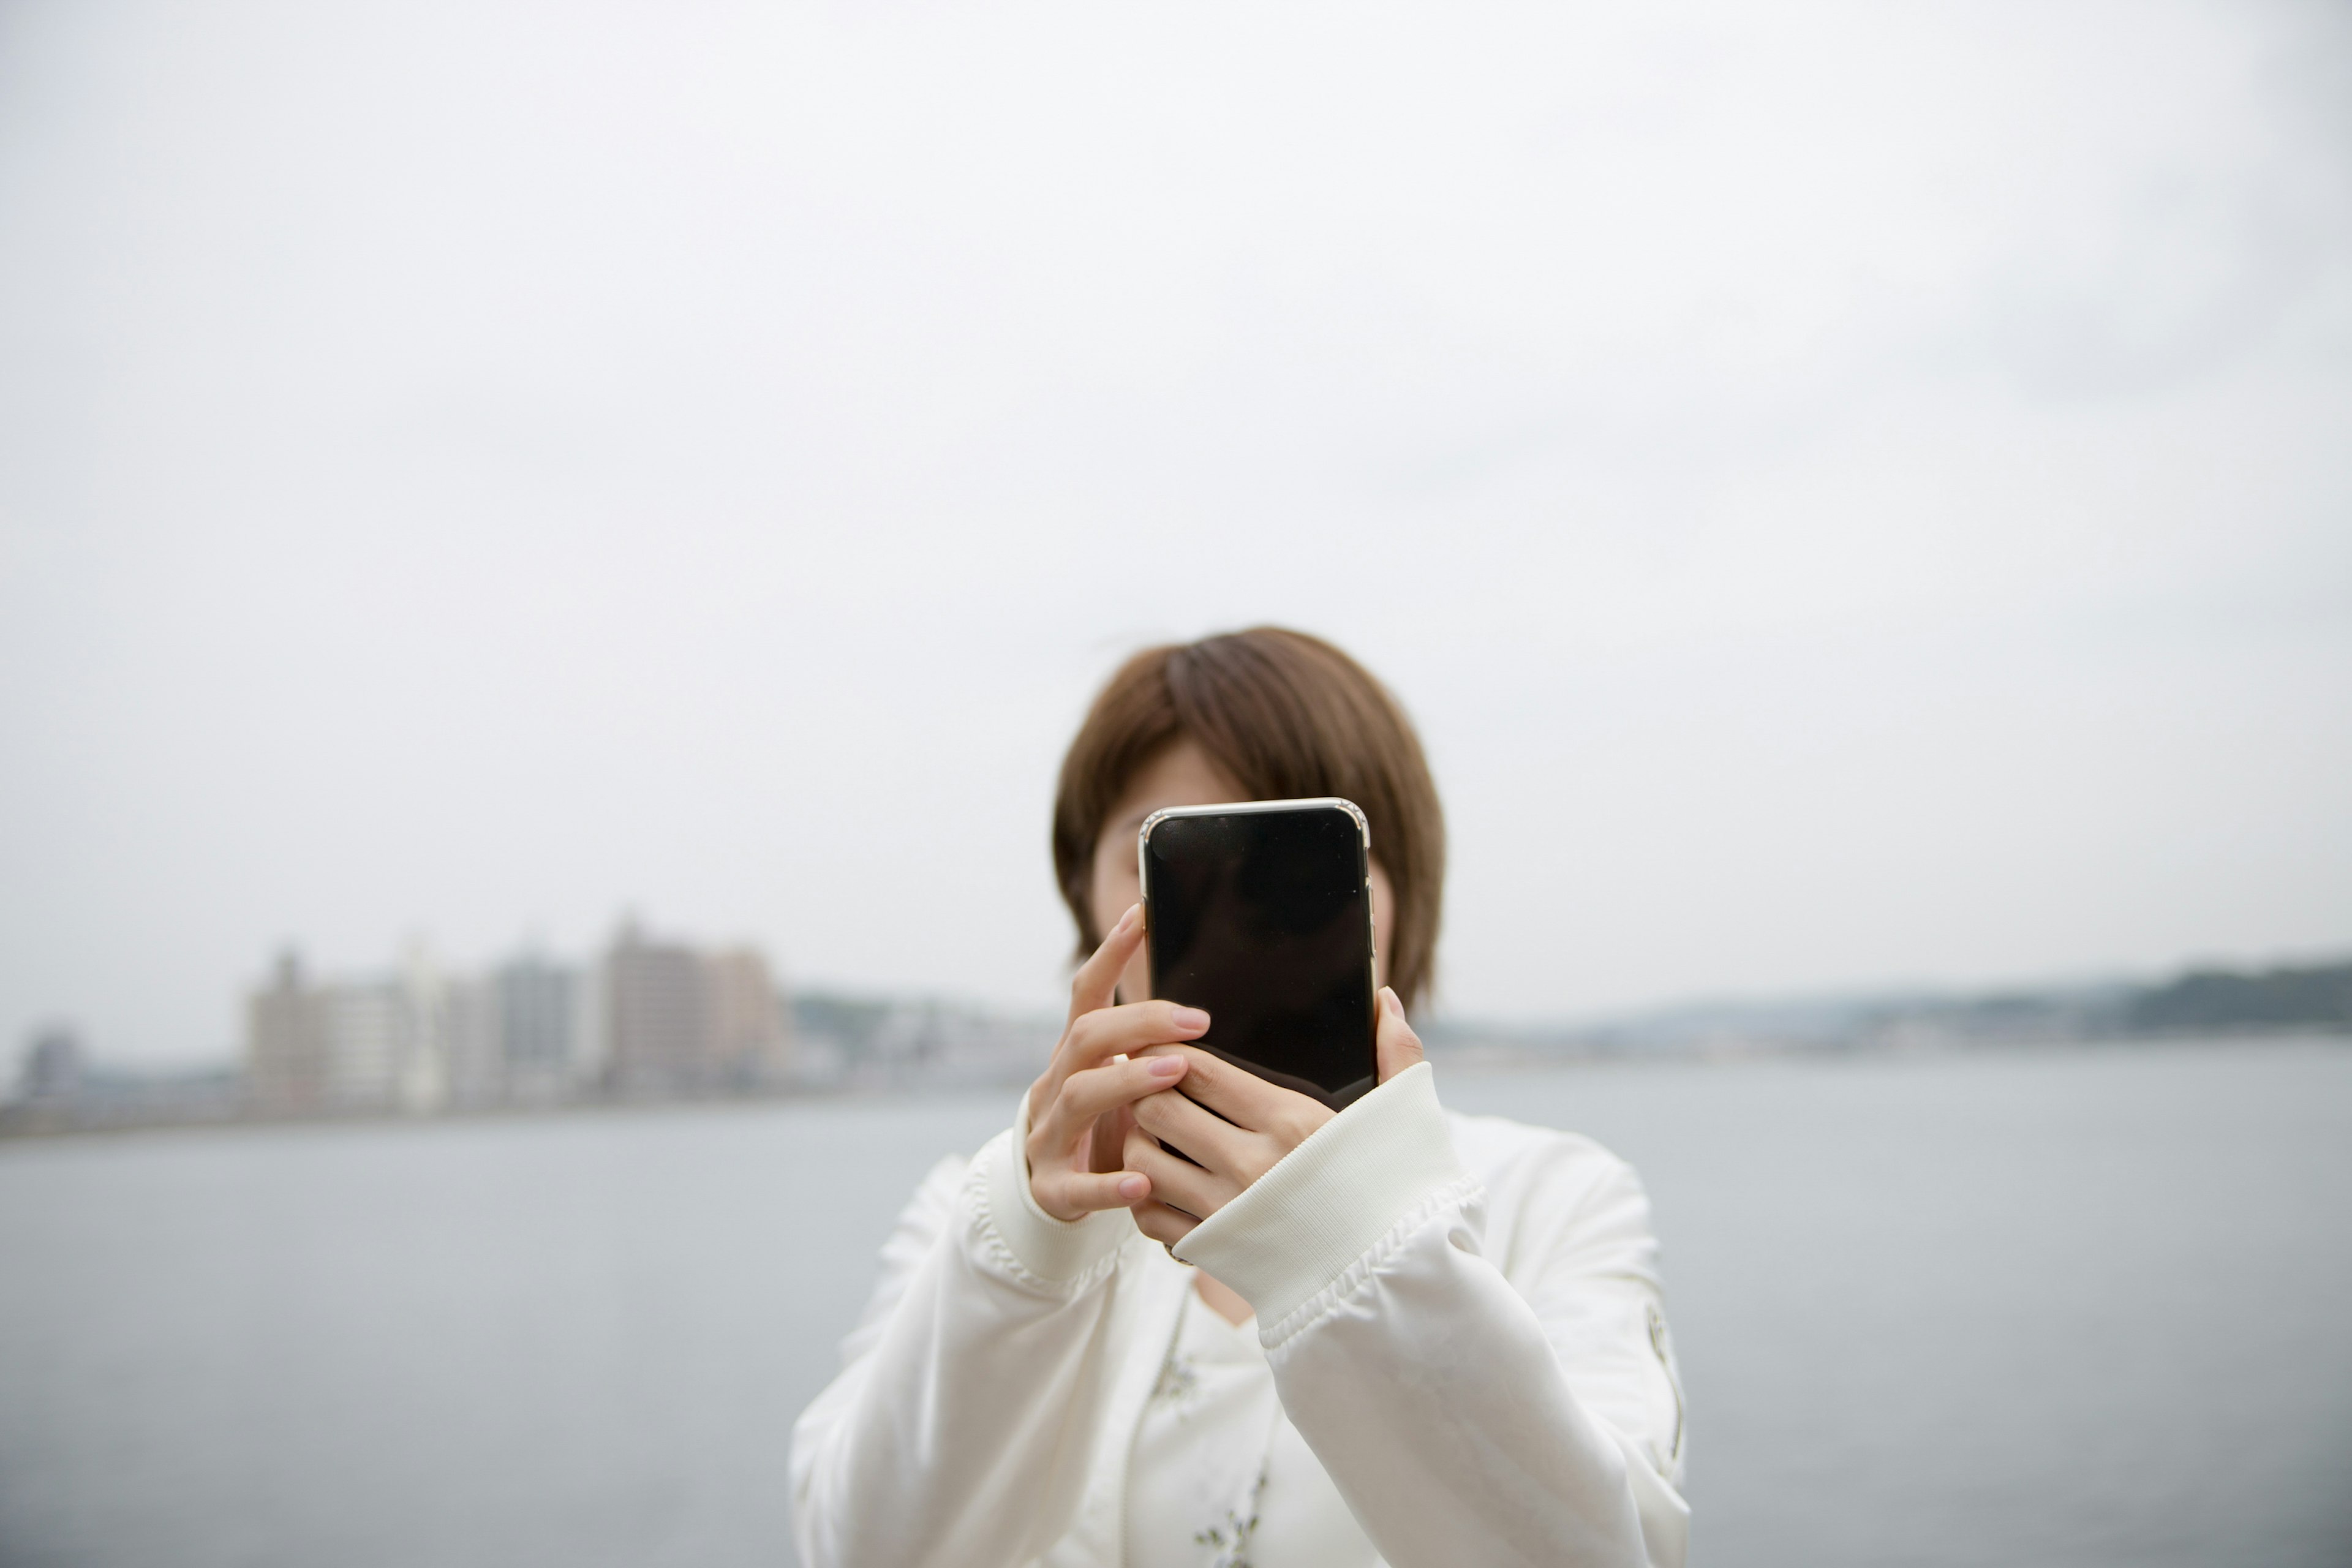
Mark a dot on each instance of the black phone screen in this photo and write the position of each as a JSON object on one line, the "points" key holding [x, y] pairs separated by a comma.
{"points": [[1262, 917]]}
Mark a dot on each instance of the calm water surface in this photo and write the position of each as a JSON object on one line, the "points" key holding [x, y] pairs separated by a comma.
{"points": [[2079, 1308]]}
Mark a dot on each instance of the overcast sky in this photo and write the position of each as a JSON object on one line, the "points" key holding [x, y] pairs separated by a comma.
{"points": [[1854, 495]]}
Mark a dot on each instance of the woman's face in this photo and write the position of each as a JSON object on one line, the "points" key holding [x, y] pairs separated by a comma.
{"points": [[1181, 775]]}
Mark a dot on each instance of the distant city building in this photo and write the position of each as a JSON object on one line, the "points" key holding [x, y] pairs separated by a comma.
{"points": [[539, 1021], [421, 1064], [478, 1073], [657, 1013], [54, 1067], [751, 1026], [285, 1041], [515, 1034], [367, 1027], [675, 1018], [349, 1046]]}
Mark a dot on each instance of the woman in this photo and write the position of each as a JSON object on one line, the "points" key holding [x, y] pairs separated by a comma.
{"points": [[1392, 1334]]}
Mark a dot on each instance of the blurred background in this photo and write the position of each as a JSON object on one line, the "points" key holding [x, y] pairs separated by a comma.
{"points": [[548, 554]]}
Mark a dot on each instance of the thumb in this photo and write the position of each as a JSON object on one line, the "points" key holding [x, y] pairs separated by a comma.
{"points": [[1394, 1045]]}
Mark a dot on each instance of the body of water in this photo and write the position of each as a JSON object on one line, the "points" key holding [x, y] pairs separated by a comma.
{"points": [[2078, 1307]]}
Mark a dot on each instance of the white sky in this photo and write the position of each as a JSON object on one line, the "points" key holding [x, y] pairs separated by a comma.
{"points": [[1852, 494]]}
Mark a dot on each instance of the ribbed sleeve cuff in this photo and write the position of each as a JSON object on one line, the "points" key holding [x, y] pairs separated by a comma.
{"points": [[1331, 1199], [1051, 1250]]}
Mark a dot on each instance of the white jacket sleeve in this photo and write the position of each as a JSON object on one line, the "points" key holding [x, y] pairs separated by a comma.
{"points": [[1468, 1418], [972, 1379]]}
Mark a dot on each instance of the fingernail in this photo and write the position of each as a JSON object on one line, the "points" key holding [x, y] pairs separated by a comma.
{"points": [[1190, 1019], [1389, 1000], [1166, 1066], [1127, 921], [1133, 1187]]}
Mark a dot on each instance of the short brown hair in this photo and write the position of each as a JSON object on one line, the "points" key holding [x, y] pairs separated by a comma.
{"points": [[1287, 715]]}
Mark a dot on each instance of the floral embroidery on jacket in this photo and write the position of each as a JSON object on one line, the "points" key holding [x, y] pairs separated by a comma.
{"points": [[1232, 1538], [1177, 1380]]}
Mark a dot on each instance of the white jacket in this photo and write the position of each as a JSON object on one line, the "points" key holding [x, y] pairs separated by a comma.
{"points": [[1462, 1314]]}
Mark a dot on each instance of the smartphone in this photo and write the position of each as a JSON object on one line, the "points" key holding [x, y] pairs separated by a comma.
{"points": [[1261, 914]]}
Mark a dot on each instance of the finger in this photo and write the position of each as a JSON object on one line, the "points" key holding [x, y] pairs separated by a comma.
{"points": [[1395, 1045], [1096, 984], [1245, 1099], [1073, 1194], [1205, 1138], [1087, 1095], [1163, 1225], [1123, 1030], [1199, 1193]]}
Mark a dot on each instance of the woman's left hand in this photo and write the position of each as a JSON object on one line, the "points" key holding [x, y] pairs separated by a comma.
{"points": [[1234, 1126]]}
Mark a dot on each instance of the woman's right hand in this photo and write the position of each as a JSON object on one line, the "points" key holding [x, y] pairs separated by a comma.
{"points": [[1078, 1111]]}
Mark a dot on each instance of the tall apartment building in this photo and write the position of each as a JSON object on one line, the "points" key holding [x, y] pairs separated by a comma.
{"points": [[367, 1041], [675, 1018], [285, 1041], [538, 1020], [54, 1067], [657, 1013], [750, 1028]]}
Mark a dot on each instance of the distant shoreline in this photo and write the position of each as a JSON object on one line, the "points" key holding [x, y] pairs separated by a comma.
{"points": [[101, 1117]]}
